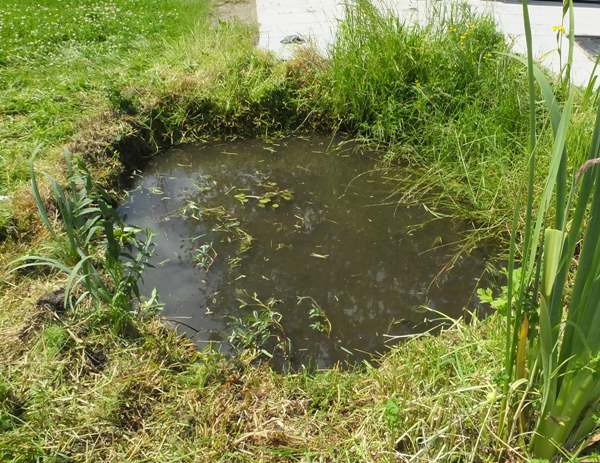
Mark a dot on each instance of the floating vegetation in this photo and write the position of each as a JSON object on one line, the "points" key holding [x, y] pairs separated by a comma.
{"points": [[205, 256], [261, 329], [226, 224], [271, 196], [319, 320]]}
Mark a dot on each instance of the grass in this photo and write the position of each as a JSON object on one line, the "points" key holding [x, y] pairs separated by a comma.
{"points": [[155, 398], [445, 100], [449, 99], [66, 60]]}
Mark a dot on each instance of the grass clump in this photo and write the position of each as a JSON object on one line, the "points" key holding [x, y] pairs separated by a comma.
{"points": [[445, 96], [399, 83], [448, 99]]}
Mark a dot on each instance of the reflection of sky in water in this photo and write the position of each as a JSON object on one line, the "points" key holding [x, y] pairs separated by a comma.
{"points": [[360, 260]]}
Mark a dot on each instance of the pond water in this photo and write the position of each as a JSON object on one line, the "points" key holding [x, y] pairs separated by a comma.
{"points": [[294, 248]]}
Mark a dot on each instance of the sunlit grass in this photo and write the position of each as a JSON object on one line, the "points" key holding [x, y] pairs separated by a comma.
{"points": [[65, 60], [448, 99]]}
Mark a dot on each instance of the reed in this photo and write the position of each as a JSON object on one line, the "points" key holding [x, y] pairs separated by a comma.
{"points": [[553, 323], [97, 250]]}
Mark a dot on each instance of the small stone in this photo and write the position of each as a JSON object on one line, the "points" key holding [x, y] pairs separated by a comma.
{"points": [[293, 38]]}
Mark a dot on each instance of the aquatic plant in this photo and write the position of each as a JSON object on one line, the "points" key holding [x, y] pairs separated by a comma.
{"points": [[269, 195], [205, 256], [261, 329], [553, 316], [224, 223], [99, 253], [319, 321]]}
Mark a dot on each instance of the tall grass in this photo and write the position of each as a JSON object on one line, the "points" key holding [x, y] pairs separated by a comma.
{"points": [[445, 97], [397, 82], [553, 316]]}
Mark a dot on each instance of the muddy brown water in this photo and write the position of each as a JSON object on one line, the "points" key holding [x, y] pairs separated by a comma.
{"points": [[333, 265]]}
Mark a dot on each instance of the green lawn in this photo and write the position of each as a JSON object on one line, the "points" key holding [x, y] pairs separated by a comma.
{"points": [[62, 61]]}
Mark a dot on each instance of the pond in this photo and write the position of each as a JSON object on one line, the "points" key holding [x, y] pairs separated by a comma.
{"points": [[296, 249]]}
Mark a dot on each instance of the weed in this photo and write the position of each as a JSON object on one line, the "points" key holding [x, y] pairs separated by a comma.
{"points": [[261, 329], [53, 340], [197, 375], [500, 302], [317, 316], [391, 413], [445, 98], [205, 256], [11, 407]]}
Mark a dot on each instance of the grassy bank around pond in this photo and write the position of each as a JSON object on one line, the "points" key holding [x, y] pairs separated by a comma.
{"points": [[75, 387], [73, 391]]}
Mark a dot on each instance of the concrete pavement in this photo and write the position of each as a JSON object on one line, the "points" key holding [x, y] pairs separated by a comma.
{"points": [[317, 22]]}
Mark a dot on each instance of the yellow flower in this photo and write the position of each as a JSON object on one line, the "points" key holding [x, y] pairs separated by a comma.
{"points": [[559, 29]]}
